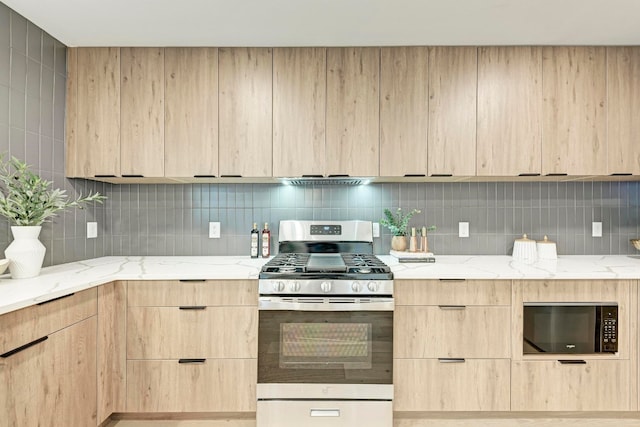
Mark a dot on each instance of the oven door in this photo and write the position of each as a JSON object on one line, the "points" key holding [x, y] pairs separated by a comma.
{"points": [[315, 347]]}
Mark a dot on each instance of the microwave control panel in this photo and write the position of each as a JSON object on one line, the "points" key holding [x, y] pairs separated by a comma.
{"points": [[609, 333]]}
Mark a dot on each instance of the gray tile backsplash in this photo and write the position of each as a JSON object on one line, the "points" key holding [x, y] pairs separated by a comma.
{"points": [[32, 100], [172, 219]]}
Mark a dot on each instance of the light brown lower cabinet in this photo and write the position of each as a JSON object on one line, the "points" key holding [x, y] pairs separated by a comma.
{"points": [[52, 383], [211, 385], [549, 385], [451, 384]]}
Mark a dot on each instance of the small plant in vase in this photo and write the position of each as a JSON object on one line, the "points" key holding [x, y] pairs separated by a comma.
{"points": [[397, 223], [27, 201]]}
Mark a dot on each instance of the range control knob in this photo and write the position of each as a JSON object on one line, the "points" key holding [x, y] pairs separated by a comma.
{"points": [[325, 286], [278, 286], [372, 286], [295, 287], [356, 286]]}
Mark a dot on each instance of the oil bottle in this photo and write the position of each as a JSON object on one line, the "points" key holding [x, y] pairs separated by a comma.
{"points": [[254, 240]]}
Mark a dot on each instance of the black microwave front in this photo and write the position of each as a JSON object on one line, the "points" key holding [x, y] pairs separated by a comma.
{"points": [[578, 328]]}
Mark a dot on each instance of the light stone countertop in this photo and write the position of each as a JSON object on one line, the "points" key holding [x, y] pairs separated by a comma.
{"points": [[64, 279]]}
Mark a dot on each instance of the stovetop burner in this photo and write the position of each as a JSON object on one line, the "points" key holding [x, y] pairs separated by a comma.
{"points": [[304, 264]]}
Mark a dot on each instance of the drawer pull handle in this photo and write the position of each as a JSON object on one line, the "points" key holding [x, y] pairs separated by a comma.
{"points": [[104, 176], [573, 362], [451, 360], [56, 299], [452, 280], [452, 307], [414, 175], [132, 175], [528, 174], [24, 347], [188, 361], [193, 307], [231, 176], [325, 412], [192, 280], [204, 176]]}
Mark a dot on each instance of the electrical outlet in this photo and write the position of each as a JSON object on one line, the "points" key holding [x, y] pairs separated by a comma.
{"points": [[596, 229], [463, 229], [376, 229], [214, 230], [92, 230]]}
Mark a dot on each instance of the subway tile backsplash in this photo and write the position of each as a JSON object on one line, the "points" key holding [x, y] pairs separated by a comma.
{"points": [[173, 219]]}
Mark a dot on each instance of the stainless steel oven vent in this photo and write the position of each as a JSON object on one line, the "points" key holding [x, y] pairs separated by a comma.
{"points": [[326, 181]]}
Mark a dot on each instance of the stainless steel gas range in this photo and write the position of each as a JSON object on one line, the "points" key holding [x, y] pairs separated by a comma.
{"points": [[325, 335]]}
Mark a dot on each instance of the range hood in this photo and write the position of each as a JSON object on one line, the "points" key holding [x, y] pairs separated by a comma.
{"points": [[330, 180]]}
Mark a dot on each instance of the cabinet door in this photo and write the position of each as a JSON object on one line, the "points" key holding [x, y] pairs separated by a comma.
{"points": [[299, 104], [550, 385], [574, 111], [453, 292], [404, 110], [353, 111], [52, 383], [142, 112], [452, 331], [191, 112], [623, 103], [453, 73], [451, 385], [172, 293], [246, 112], [203, 386], [509, 111], [96, 105]]}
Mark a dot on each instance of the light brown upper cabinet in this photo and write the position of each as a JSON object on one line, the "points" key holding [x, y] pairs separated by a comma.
{"points": [[574, 111], [142, 112], [453, 84], [245, 112], [623, 127], [191, 112], [509, 111], [404, 110], [353, 111], [93, 112], [299, 103]]}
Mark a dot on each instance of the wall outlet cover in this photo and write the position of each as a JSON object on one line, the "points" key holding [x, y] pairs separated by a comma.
{"points": [[463, 229], [376, 229], [92, 230], [596, 229], [214, 230]]}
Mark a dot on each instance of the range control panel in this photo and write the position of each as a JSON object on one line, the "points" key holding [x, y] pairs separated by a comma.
{"points": [[609, 329], [326, 230]]}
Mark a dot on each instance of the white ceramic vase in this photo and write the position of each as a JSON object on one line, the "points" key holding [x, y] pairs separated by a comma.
{"points": [[26, 252]]}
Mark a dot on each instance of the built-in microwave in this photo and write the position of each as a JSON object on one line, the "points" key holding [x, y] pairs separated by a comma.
{"points": [[580, 328]]}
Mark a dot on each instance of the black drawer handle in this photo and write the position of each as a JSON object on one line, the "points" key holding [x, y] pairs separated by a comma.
{"points": [[192, 280], [451, 360], [55, 299], [338, 175], [452, 280], [186, 361], [414, 175], [132, 175], [193, 307], [452, 307], [621, 174], [304, 175], [557, 174], [573, 362], [24, 347], [104, 176], [230, 176], [528, 174], [204, 176], [441, 175]]}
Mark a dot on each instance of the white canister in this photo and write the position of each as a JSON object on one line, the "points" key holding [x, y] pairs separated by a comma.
{"points": [[525, 249], [546, 249]]}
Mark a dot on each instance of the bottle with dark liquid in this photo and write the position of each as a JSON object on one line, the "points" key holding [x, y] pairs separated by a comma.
{"points": [[266, 241], [254, 240]]}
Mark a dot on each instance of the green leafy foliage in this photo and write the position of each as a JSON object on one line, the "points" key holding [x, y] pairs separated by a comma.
{"points": [[397, 223], [27, 199]]}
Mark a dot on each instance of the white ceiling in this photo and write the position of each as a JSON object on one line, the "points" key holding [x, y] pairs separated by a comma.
{"points": [[335, 22]]}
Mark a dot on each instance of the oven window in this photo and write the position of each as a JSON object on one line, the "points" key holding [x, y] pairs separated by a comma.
{"points": [[325, 347]]}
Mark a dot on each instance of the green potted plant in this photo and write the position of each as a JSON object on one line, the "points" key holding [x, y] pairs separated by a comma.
{"points": [[398, 224], [28, 201]]}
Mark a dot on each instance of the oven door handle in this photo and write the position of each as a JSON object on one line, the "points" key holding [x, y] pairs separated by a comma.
{"points": [[325, 304]]}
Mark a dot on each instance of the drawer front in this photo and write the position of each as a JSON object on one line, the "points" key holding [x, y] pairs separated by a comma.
{"points": [[212, 386], [452, 331], [199, 292], [439, 385], [210, 332], [597, 385], [324, 414], [452, 292], [28, 324]]}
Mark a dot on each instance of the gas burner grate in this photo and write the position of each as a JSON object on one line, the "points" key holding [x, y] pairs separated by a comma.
{"points": [[364, 264]]}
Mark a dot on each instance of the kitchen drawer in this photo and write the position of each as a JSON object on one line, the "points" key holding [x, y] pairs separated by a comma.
{"points": [[198, 292], [451, 385], [204, 332], [216, 385], [597, 385], [452, 292], [323, 413], [23, 326], [452, 331]]}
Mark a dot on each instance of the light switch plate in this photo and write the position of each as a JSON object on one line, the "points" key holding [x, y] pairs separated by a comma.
{"points": [[92, 230], [596, 229], [463, 229], [376, 229], [214, 230]]}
